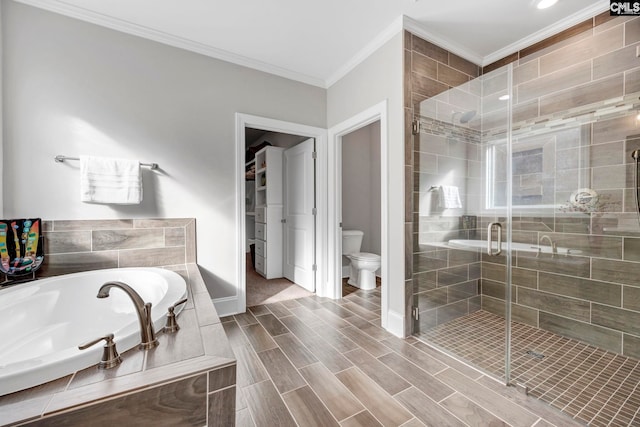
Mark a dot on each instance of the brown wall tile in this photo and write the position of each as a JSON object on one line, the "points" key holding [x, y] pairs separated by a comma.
{"points": [[551, 303], [451, 76], [58, 264], [222, 406], [174, 236], [427, 86], [178, 403], [615, 62], [557, 38], [606, 88], [592, 334], [463, 65], [429, 49], [90, 224], [67, 241], [424, 65], [161, 222], [560, 80], [588, 290], [104, 240], [152, 257], [632, 31], [631, 346], [616, 318], [615, 271], [583, 50]]}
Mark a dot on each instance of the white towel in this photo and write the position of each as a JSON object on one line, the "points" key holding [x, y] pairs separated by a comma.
{"points": [[104, 180], [449, 197]]}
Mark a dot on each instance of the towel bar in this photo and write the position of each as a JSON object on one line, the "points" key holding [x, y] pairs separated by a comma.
{"points": [[60, 159]]}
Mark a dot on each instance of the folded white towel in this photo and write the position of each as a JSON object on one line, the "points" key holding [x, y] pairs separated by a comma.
{"points": [[104, 180], [449, 197]]}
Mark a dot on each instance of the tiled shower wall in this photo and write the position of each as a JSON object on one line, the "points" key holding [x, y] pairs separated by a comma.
{"points": [[592, 296], [593, 293], [430, 70], [81, 245]]}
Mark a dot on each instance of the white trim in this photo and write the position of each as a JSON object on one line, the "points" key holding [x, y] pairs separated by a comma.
{"points": [[402, 22], [418, 29], [371, 47], [86, 15], [375, 113], [273, 125], [395, 323], [551, 30], [225, 306]]}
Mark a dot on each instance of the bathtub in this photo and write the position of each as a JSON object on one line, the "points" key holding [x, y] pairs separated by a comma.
{"points": [[522, 247], [44, 321]]}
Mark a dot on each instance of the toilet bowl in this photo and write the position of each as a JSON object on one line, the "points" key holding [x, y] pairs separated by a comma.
{"points": [[363, 270], [362, 265]]}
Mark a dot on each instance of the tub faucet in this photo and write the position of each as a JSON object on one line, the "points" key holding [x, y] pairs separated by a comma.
{"points": [[554, 245], [147, 334]]}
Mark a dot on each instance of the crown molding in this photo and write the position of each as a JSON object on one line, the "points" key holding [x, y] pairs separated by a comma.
{"points": [[168, 39], [416, 28], [400, 23], [547, 32], [386, 35]]}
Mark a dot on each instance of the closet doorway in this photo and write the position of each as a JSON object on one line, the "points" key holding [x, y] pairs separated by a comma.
{"points": [[280, 214]]}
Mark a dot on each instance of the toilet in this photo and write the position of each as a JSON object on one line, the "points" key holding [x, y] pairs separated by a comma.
{"points": [[363, 265]]}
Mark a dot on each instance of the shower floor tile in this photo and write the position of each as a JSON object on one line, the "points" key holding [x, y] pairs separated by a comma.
{"points": [[591, 385]]}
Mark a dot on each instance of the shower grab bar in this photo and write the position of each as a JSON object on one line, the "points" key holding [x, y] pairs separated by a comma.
{"points": [[61, 158], [498, 227]]}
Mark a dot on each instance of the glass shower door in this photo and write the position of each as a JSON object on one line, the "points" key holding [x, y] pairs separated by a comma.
{"points": [[461, 259]]}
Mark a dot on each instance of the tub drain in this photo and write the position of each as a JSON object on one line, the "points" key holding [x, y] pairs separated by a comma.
{"points": [[535, 355]]}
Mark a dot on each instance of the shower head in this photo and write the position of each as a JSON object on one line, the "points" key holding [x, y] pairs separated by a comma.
{"points": [[635, 154], [464, 117]]}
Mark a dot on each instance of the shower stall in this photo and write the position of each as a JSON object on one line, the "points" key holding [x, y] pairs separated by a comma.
{"points": [[526, 254]]}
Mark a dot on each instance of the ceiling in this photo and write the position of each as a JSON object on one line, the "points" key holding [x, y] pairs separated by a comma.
{"points": [[317, 42]]}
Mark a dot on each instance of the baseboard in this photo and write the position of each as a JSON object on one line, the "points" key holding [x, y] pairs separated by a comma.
{"points": [[226, 306], [395, 323]]}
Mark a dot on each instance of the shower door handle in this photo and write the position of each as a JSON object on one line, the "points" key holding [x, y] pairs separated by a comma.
{"points": [[498, 227]]}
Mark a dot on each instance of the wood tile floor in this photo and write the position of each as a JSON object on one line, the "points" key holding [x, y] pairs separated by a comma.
{"points": [[592, 385], [317, 362]]}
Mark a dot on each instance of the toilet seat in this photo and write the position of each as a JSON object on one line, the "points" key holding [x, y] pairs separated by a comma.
{"points": [[365, 256]]}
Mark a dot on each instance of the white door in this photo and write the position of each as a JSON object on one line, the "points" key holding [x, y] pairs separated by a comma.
{"points": [[299, 206]]}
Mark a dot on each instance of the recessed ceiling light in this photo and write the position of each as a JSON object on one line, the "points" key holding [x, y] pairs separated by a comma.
{"points": [[543, 4], [504, 97]]}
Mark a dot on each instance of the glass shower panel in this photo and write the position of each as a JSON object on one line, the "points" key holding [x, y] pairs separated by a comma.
{"points": [[461, 182], [553, 165], [576, 248]]}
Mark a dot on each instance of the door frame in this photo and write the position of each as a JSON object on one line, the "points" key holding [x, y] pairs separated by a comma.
{"points": [[247, 120], [375, 113]]}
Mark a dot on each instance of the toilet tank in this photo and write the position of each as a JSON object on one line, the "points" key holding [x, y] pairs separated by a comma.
{"points": [[351, 241]]}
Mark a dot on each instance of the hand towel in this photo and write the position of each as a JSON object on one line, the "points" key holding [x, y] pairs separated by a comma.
{"points": [[105, 180], [449, 197]]}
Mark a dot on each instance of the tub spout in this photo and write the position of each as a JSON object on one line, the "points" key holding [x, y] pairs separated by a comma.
{"points": [[554, 245], [147, 334]]}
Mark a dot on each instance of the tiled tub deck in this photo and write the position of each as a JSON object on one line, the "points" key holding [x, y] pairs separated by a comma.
{"points": [[188, 380]]}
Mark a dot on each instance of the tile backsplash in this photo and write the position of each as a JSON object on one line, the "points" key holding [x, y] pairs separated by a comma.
{"points": [[80, 245]]}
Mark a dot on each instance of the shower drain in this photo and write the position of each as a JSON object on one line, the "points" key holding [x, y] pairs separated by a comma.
{"points": [[535, 355]]}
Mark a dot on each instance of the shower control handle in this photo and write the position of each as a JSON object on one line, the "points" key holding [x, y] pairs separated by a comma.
{"points": [[490, 228]]}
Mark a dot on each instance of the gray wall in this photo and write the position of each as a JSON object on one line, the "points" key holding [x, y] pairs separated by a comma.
{"points": [[376, 79], [75, 88], [361, 185]]}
